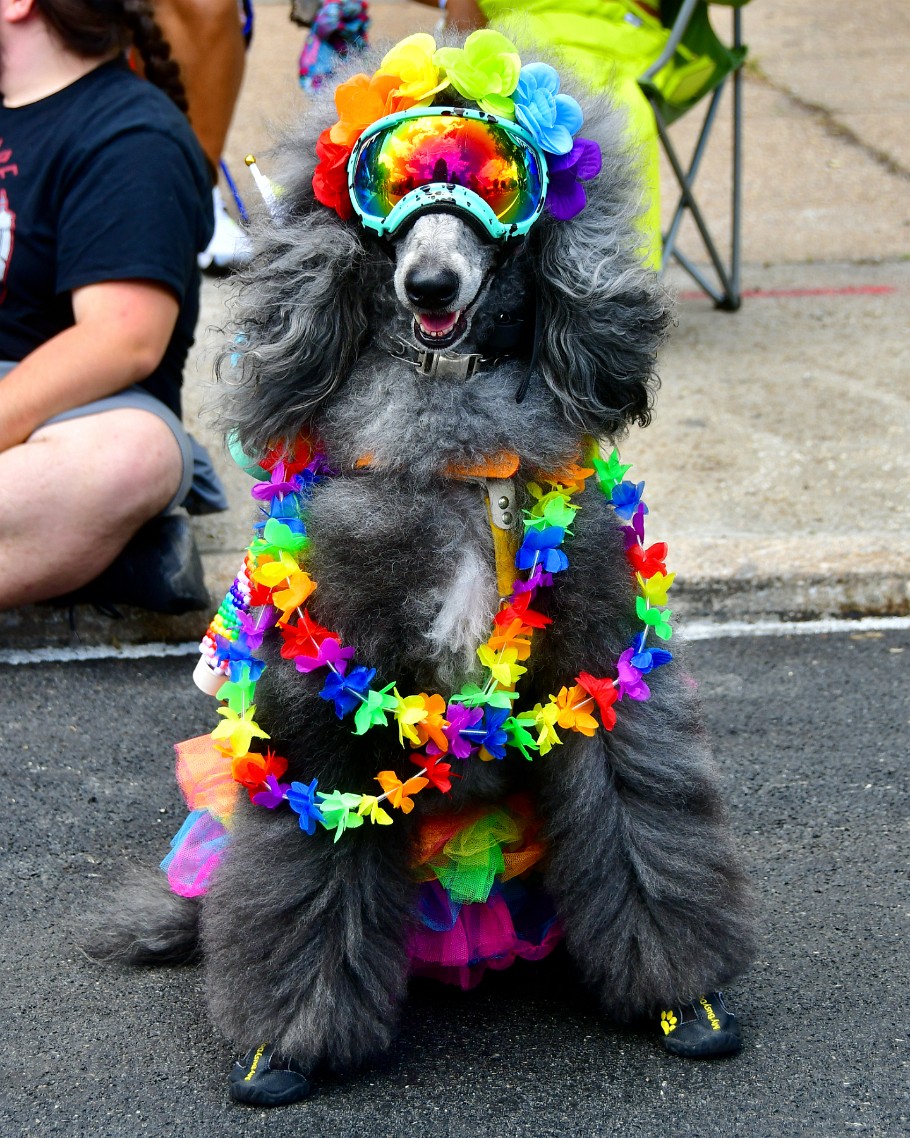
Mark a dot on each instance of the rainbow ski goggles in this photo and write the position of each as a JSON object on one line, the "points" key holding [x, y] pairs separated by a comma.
{"points": [[447, 157]]}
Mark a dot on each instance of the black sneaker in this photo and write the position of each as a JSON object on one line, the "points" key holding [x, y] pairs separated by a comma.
{"points": [[159, 570], [704, 1029], [262, 1078]]}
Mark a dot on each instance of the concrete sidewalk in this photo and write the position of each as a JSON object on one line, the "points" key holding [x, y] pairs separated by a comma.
{"points": [[778, 463]]}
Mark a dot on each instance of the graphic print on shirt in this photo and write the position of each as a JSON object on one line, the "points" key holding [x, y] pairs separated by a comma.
{"points": [[7, 237], [7, 219]]}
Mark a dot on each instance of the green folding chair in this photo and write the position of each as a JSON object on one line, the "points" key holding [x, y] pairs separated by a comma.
{"points": [[693, 70]]}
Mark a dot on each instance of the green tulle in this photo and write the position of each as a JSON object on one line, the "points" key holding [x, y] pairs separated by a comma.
{"points": [[468, 864]]}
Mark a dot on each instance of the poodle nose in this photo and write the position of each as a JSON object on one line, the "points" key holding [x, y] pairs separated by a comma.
{"points": [[432, 286]]}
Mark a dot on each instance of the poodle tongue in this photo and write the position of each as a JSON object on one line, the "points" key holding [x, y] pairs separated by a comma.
{"points": [[437, 324]]}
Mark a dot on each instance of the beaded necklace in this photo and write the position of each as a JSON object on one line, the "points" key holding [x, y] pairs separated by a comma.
{"points": [[479, 719]]}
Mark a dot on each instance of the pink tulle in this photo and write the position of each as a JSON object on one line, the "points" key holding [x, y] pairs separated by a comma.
{"points": [[196, 851], [483, 936]]}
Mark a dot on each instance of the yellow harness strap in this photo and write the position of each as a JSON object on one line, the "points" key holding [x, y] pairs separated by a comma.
{"points": [[505, 541]]}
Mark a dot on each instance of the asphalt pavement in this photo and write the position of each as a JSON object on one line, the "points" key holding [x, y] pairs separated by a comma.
{"points": [[812, 733]]}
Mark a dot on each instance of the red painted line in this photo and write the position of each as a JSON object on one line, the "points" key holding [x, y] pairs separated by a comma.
{"points": [[765, 293]]}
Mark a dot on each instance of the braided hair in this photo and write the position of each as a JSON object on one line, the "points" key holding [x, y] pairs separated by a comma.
{"points": [[98, 27]]}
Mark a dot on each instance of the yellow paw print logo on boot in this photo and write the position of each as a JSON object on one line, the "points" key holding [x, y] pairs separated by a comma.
{"points": [[668, 1022]]}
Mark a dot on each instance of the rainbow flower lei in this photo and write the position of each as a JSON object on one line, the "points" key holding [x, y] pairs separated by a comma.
{"points": [[476, 720], [487, 71]]}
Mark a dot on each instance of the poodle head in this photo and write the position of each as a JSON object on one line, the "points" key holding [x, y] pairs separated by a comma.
{"points": [[322, 286]]}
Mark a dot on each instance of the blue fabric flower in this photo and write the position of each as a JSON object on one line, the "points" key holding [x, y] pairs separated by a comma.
{"points": [[626, 498], [541, 547], [349, 691], [495, 737], [302, 800], [647, 659], [237, 656], [550, 118]]}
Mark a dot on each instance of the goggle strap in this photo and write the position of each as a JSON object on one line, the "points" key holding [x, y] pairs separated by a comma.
{"points": [[535, 352]]}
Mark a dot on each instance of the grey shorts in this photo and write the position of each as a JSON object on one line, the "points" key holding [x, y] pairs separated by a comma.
{"points": [[137, 399], [198, 480]]}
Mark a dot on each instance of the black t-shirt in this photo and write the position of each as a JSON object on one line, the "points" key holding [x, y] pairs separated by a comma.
{"points": [[101, 181]]}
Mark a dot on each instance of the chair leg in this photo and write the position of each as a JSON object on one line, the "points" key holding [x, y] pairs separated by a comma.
{"points": [[727, 296]]}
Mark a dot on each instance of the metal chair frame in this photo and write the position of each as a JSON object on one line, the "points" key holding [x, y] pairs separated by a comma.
{"points": [[725, 291]]}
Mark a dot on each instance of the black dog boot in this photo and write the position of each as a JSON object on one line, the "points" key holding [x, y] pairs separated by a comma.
{"points": [[704, 1029], [262, 1078]]}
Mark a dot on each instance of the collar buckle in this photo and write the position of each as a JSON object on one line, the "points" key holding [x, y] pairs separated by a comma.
{"points": [[435, 364]]}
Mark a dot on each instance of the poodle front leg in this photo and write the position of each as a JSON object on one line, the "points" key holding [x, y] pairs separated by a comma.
{"points": [[305, 939], [642, 868]]}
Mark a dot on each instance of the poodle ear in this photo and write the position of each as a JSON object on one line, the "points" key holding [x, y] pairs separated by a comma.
{"points": [[603, 313], [299, 318]]}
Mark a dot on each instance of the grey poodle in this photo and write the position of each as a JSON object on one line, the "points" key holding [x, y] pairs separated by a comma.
{"points": [[430, 351]]}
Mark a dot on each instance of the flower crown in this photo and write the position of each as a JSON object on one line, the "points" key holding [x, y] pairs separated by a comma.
{"points": [[488, 71]]}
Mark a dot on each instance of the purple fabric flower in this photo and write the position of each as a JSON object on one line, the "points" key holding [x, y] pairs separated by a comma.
{"points": [[253, 626], [275, 487], [329, 654], [565, 197], [273, 795], [460, 718], [634, 534], [537, 579], [550, 118], [630, 682]]}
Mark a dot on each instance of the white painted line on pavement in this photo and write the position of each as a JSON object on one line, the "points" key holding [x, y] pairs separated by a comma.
{"points": [[694, 630], [705, 630], [77, 653]]}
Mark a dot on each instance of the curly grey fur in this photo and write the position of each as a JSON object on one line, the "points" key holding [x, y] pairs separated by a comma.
{"points": [[305, 940]]}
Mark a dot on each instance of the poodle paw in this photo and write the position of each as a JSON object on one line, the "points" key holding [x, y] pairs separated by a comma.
{"points": [[704, 1029], [262, 1078]]}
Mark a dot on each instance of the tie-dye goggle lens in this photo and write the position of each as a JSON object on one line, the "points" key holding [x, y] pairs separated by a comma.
{"points": [[435, 157]]}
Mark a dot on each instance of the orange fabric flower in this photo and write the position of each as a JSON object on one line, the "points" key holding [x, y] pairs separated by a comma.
{"points": [[515, 635], [300, 585], [252, 769], [361, 101], [399, 791], [431, 727], [572, 716]]}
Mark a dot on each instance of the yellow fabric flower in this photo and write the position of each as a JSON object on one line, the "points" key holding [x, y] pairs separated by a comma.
{"points": [[409, 710], [412, 61], [369, 808], [485, 70], [544, 717], [272, 573], [655, 589], [503, 665], [235, 732]]}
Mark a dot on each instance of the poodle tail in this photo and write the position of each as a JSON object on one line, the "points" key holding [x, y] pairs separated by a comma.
{"points": [[144, 923]]}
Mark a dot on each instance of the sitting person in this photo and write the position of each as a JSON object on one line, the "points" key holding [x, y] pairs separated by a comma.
{"points": [[105, 201]]}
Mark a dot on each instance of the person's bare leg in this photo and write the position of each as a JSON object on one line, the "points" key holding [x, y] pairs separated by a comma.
{"points": [[206, 39], [73, 495]]}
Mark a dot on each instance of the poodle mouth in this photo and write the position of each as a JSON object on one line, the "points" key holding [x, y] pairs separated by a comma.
{"points": [[439, 329]]}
